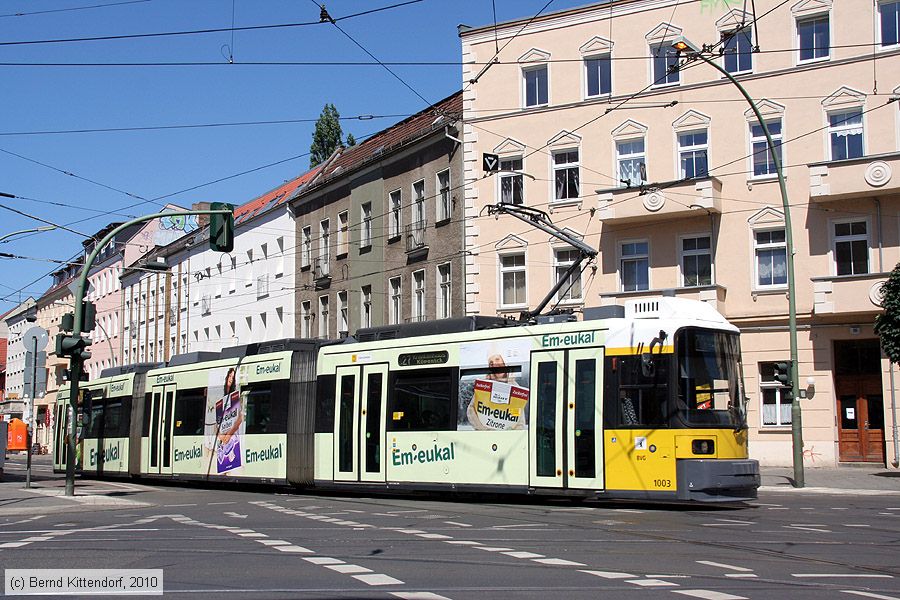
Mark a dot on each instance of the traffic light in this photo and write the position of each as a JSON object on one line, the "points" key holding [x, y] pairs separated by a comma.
{"points": [[72, 345], [221, 228], [783, 375], [88, 316]]}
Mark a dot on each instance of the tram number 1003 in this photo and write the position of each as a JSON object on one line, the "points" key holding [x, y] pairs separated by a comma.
{"points": [[662, 483]]}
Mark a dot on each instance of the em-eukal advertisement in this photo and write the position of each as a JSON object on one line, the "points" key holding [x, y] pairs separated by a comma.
{"points": [[493, 385], [224, 425]]}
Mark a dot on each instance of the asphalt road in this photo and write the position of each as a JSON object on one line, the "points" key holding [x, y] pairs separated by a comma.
{"points": [[258, 543]]}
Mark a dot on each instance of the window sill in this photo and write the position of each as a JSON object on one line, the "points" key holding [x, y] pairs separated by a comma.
{"points": [[772, 291], [341, 255], [305, 267], [564, 203], [394, 238], [442, 222], [534, 106], [782, 429], [657, 86], [764, 178], [280, 274], [598, 96], [812, 61]]}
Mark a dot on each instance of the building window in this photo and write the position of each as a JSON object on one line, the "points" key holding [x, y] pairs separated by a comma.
{"points": [[813, 38], [418, 296], [738, 50], [763, 161], [776, 407], [536, 85], [512, 280], [305, 319], [598, 76], [395, 219], [443, 185], [343, 233], [571, 289], [366, 308], [565, 174], [323, 317], [343, 314], [635, 266], [512, 190], [443, 300], [365, 236], [889, 15], [771, 258], [845, 129], [696, 261], [665, 64], [418, 205], [630, 157], [305, 248], [395, 308], [851, 248], [692, 154]]}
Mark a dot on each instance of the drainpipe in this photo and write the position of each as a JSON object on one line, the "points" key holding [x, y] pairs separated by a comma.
{"points": [[896, 462]]}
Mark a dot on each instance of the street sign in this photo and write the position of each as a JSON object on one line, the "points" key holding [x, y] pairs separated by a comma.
{"points": [[490, 162], [35, 335]]}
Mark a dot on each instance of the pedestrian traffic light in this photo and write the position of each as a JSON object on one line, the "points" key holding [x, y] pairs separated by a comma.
{"points": [[783, 375], [221, 228], [72, 345]]}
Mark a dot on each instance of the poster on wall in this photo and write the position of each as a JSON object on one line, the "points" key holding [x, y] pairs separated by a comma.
{"points": [[224, 425], [493, 385]]}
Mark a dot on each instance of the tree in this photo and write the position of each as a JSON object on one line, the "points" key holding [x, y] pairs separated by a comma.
{"points": [[326, 137], [351, 141], [887, 324]]}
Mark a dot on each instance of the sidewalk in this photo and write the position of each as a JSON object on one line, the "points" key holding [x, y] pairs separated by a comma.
{"points": [[845, 480]]}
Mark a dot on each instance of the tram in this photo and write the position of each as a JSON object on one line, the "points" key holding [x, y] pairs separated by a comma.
{"points": [[644, 401]]}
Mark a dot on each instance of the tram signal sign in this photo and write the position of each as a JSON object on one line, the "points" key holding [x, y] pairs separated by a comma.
{"points": [[221, 228]]}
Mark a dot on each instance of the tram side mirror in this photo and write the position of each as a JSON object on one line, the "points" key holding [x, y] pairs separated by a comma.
{"points": [[648, 368]]}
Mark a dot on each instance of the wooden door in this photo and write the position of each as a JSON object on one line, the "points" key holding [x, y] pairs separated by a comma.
{"points": [[860, 419]]}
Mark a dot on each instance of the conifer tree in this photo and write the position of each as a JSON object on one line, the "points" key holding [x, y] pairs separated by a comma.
{"points": [[326, 137]]}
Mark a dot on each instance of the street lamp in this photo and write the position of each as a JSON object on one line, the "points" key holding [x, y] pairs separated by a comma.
{"points": [[3, 238], [683, 46]]}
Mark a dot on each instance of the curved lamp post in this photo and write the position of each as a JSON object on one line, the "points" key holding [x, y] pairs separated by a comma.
{"points": [[691, 51]]}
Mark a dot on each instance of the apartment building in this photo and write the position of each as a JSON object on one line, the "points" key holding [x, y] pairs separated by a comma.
{"points": [[663, 168], [13, 403], [184, 297], [380, 230]]}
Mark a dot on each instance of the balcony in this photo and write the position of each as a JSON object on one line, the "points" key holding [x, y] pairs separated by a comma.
{"points": [[679, 199], [847, 294], [416, 247], [322, 273], [854, 178], [714, 295]]}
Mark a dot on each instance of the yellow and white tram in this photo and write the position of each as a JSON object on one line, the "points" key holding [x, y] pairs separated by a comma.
{"points": [[642, 401]]}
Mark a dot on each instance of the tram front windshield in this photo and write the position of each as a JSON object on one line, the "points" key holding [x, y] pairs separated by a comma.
{"points": [[710, 391]]}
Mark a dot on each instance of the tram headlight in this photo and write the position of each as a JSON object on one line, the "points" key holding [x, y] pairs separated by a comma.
{"points": [[703, 446]]}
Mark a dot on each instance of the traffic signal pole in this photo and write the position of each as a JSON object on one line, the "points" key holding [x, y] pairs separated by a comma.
{"points": [[78, 355]]}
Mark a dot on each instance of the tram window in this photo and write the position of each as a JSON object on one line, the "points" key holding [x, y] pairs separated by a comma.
{"points": [[423, 401], [266, 407], [190, 411], [145, 426], [641, 396], [325, 386], [115, 418], [93, 430]]}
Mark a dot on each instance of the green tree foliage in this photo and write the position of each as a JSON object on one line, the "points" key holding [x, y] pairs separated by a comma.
{"points": [[351, 141], [327, 136], [887, 324]]}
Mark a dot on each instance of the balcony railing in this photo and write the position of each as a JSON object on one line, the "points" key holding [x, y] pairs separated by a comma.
{"points": [[322, 272], [415, 237]]}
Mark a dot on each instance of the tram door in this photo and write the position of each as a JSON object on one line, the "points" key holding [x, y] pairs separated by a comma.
{"points": [[61, 423], [361, 404], [162, 403], [565, 419]]}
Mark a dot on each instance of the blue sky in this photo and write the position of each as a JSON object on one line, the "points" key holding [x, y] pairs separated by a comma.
{"points": [[151, 164]]}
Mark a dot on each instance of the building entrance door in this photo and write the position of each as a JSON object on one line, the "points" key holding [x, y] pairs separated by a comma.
{"points": [[860, 403]]}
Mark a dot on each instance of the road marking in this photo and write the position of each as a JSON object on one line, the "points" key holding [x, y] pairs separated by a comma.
{"points": [[418, 596], [866, 575], [518, 554], [559, 562], [609, 574], [348, 569], [235, 515], [778, 508], [742, 575], [839, 508], [253, 535], [709, 595], [870, 595], [490, 549], [629, 510], [724, 566], [434, 536], [14, 544], [651, 583], [856, 525], [667, 576], [518, 525], [174, 505], [323, 560], [806, 528], [724, 524], [735, 521], [274, 542], [38, 539], [457, 524], [761, 504], [220, 503], [378, 579], [294, 549], [464, 542], [400, 512], [411, 531]]}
